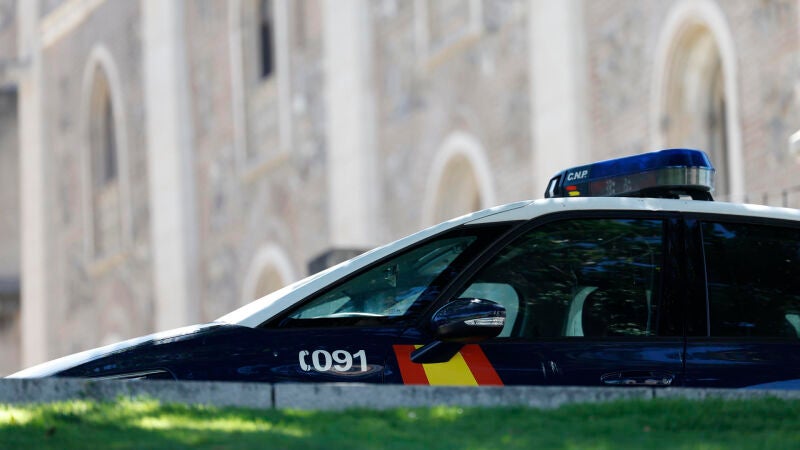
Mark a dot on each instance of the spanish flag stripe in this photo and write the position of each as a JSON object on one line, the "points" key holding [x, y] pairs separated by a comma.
{"points": [[412, 373], [451, 373], [481, 368]]}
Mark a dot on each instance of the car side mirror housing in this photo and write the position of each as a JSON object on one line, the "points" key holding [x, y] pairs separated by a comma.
{"points": [[459, 322], [468, 320]]}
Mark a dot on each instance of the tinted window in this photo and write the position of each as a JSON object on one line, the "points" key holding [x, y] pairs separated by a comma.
{"points": [[753, 273], [592, 278], [397, 288], [389, 289]]}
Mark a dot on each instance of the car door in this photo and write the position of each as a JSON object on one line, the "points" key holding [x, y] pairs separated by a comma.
{"points": [[348, 330], [590, 300], [749, 329]]}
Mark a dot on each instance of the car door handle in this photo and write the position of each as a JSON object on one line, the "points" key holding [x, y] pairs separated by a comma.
{"points": [[638, 378]]}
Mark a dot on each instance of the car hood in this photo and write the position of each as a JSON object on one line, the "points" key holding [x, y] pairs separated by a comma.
{"points": [[61, 364]]}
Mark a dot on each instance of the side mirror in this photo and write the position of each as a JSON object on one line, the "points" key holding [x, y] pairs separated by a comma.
{"points": [[459, 322], [468, 320]]}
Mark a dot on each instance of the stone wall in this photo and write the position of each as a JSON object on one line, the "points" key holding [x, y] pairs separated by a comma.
{"points": [[10, 256], [767, 44], [622, 36], [261, 150], [9, 194], [279, 197], [10, 249], [112, 293], [476, 83], [8, 34]]}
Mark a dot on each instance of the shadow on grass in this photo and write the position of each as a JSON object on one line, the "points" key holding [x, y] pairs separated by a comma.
{"points": [[709, 424]]}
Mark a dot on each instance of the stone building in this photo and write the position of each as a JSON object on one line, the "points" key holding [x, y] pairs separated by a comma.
{"points": [[163, 162]]}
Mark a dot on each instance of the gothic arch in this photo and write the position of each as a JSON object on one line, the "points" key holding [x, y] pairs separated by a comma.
{"points": [[695, 101], [269, 271], [104, 155], [460, 180]]}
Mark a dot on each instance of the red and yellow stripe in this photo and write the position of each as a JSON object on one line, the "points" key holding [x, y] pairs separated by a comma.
{"points": [[469, 367]]}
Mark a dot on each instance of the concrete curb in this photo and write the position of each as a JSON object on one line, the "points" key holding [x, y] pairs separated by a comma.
{"points": [[343, 396], [727, 394], [249, 395]]}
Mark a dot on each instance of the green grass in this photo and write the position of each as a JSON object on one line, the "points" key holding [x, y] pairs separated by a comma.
{"points": [[684, 424]]}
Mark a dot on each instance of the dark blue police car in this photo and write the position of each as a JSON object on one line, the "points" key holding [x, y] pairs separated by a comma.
{"points": [[626, 274]]}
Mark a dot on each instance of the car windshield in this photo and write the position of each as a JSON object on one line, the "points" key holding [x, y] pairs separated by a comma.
{"points": [[261, 310], [388, 289]]}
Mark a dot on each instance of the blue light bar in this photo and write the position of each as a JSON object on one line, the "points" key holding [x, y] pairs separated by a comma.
{"points": [[671, 173]]}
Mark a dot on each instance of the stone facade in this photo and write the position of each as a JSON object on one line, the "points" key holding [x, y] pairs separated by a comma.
{"points": [[473, 82], [112, 291], [458, 105], [10, 249], [624, 36], [9, 233]]}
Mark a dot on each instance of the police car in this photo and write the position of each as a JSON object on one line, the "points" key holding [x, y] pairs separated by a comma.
{"points": [[626, 274]]}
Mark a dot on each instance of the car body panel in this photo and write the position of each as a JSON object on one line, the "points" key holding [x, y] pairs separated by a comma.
{"points": [[77, 359], [732, 363], [577, 362], [237, 347]]}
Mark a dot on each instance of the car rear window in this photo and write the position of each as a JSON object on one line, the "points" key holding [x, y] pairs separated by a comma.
{"points": [[753, 276]]}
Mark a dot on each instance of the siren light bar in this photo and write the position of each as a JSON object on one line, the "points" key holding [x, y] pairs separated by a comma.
{"points": [[671, 173]]}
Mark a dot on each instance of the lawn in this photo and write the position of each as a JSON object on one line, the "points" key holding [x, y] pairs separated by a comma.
{"points": [[685, 424]]}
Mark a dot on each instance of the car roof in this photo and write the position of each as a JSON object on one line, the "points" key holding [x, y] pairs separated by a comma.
{"points": [[263, 309], [542, 207]]}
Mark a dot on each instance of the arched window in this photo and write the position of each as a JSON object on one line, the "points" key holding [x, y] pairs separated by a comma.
{"points": [[269, 271], [266, 37], [270, 280], [695, 99], [695, 108], [460, 180], [104, 168], [458, 192]]}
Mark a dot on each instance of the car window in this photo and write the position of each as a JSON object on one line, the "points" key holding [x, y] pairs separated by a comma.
{"points": [[390, 289], [578, 278], [752, 273]]}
